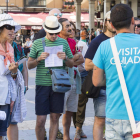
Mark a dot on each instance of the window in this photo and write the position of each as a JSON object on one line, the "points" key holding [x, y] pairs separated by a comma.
{"points": [[35, 3], [69, 4], [138, 3]]}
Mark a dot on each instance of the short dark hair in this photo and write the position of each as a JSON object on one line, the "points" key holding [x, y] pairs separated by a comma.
{"points": [[121, 15], [61, 20]]}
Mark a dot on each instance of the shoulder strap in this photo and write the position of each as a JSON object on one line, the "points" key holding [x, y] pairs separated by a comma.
{"points": [[123, 85], [43, 42]]}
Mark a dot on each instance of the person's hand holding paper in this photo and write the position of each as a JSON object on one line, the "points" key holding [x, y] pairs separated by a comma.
{"points": [[56, 56], [61, 55], [43, 56]]}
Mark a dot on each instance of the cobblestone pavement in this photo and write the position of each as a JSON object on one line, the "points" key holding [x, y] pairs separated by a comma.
{"points": [[27, 128]]}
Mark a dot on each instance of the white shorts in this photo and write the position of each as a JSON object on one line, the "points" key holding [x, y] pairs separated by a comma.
{"points": [[71, 100]]}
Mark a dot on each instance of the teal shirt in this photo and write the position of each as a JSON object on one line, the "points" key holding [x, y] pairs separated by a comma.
{"points": [[17, 55], [128, 46]]}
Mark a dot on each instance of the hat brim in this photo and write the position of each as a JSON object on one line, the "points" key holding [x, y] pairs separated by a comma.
{"points": [[12, 23], [52, 31]]}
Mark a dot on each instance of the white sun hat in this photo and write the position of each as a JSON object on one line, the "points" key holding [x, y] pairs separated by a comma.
{"points": [[7, 19], [51, 25]]}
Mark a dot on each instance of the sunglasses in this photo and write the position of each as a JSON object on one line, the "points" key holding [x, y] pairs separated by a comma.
{"points": [[56, 14], [9, 27], [138, 25], [53, 34]]}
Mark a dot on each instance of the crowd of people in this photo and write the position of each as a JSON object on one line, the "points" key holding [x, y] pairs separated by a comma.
{"points": [[84, 51]]}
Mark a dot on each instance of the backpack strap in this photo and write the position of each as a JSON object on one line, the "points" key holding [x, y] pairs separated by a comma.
{"points": [[43, 42]]}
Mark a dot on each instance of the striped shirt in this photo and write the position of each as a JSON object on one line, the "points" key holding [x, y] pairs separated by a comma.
{"points": [[42, 77]]}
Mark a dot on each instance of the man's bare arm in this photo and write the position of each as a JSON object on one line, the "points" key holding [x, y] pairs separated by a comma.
{"points": [[78, 59], [25, 74], [32, 63], [69, 62], [88, 64], [98, 77]]}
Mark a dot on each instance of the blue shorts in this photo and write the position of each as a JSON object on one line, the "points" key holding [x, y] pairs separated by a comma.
{"points": [[4, 124], [83, 75], [118, 130], [99, 104], [47, 101], [13, 123]]}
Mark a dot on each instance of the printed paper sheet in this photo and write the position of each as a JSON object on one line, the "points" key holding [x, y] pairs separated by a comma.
{"points": [[52, 60]]}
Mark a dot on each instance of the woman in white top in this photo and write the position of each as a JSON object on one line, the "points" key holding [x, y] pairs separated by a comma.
{"points": [[7, 27]]}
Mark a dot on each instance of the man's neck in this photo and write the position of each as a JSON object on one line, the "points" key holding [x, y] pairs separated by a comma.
{"points": [[124, 31], [109, 34], [63, 36]]}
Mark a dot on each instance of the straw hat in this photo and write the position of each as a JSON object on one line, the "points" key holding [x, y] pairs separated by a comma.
{"points": [[51, 25]]}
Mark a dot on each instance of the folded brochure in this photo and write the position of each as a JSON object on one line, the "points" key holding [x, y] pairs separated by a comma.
{"points": [[20, 61]]}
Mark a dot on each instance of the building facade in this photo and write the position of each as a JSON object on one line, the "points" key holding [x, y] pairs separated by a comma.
{"points": [[64, 5], [90, 11], [41, 5]]}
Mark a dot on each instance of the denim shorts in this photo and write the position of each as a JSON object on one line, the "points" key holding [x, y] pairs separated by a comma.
{"points": [[47, 101], [4, 124], [83, 75], [118, 129], [99, 104]]}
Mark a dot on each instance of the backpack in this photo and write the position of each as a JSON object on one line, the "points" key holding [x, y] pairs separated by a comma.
{"points": [[88, 88]]}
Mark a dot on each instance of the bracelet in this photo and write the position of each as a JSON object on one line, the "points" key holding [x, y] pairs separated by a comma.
{"points": [[26, 87], [13, 74]]}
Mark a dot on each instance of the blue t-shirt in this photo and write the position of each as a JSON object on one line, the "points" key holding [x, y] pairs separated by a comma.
{"points": [[128, 46]]}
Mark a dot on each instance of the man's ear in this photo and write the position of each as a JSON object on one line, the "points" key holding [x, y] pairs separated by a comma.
{"points": [[112, 26], [132, 21]]}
